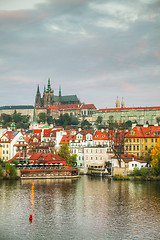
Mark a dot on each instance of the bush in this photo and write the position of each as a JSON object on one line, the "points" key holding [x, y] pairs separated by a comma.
{"points": [[1, 172], [141, 172], [145, 172], [120, 177], [135, 172]]}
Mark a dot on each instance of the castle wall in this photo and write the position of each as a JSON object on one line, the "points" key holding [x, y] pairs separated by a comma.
{"points": [[22, 111]]}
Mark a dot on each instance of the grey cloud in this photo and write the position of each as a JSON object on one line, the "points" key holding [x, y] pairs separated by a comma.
{"points": [[67, 41]]}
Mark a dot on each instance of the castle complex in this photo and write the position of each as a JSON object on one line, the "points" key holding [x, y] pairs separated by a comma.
{"points": [[55, 105], [49, 99]]}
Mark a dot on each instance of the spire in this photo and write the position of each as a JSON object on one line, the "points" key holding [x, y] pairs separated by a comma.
{"points": [[117, 103], [59, 90], [49, 86], [122, 103], [38, 89], [38, 98]]}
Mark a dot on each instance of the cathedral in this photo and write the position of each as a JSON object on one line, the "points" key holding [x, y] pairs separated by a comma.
{"points": [[49, 99]]}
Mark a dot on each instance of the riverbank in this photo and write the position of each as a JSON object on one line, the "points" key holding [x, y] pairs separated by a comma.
{"points": [[136, 178]]}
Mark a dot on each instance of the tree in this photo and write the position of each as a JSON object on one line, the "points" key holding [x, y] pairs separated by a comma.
{"points": [[65, 153], [158, 120], [155, 155], [11, 171], [85, 125], [98, 123], [65, 120], [117, 143], [42, 117], [16, 117], [1, 172], [128, 123]]}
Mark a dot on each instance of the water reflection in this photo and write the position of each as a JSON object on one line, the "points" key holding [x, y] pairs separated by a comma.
{"points": [[85, 208]]}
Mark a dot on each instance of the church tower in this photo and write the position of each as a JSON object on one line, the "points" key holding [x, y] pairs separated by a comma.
{"points": [[48, 95], [38, 98], [122, 103], [117, 103]]}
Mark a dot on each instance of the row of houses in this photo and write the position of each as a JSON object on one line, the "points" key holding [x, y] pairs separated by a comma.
{"points": [[90, 146]]}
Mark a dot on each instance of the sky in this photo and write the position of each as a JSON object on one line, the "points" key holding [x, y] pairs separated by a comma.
{"points": [[96, 49]]}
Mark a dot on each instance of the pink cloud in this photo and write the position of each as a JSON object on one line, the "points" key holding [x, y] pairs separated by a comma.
{"points": [[127, 86], [157, 54], [12, 14], [17, 79]]}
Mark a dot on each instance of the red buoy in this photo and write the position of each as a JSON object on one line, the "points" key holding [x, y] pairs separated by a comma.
{"points": [[30, 217]]}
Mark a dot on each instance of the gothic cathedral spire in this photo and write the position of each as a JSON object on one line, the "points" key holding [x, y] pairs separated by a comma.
{"points": [[38, 98]]}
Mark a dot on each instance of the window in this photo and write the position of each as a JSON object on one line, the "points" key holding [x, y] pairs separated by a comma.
{"points": [[3, 152], [91, 158], [137, 139], [146, 148], [130, 140], [156, 140], [133, 139], [126, 148], [137, 148], [152, 140], [146, 140], [129, 148], [135, 165], [134, 148], [132, 165]]}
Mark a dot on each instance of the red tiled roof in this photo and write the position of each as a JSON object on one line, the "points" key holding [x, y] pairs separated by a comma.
{"points": [[88, 106], [10, 135], [84, 132], [130, 108], [76, 106], [67, 138], [99, 135], [35, 131], [53, 107], [144, 132], [41, 157]]}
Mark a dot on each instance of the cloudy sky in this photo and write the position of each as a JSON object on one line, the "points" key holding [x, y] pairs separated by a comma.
{"points": [[97, 49]]}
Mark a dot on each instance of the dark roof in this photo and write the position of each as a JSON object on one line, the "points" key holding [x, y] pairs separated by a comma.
{"points": [[67, 99], [17, 107]]}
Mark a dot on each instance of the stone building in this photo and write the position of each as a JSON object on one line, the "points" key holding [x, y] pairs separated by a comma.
{"points": [[140, 115]]}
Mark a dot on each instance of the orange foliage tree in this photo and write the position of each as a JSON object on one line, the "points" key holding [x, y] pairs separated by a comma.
{"points": [[155, 155]]}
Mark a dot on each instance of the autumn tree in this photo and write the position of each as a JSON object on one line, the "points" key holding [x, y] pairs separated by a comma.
{"points": [[155, 155], [65, 153]]}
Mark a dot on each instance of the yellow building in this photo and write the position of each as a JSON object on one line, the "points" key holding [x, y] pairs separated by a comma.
{"points": [[140, 139]]}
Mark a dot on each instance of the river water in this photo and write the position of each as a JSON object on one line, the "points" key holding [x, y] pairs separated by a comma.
{"points": [[86, 208]]}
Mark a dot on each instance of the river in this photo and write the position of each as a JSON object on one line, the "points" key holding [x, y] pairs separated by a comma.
{"points": [[86, 208]]}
